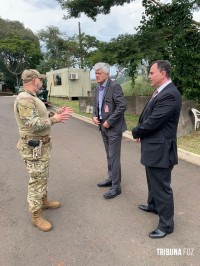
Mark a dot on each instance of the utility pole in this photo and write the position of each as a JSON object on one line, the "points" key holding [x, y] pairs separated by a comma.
{"points": [[81, 46]]}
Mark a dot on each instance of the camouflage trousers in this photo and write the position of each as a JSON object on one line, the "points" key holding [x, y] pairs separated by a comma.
{"points": [[38, 170]]}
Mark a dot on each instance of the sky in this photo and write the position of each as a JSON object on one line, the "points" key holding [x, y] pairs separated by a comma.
{"points": [[38, 14]]}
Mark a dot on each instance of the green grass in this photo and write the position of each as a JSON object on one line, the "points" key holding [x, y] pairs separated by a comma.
{"points": [[189, 142], [131, 120], [66, 102]]}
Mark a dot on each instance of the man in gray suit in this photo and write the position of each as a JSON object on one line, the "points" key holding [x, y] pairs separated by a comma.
{"points": [[108, 114], [157, 130]]}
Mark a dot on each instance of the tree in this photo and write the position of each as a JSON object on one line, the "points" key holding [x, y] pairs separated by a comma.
{"points": [[19, 54], [175, 38], [88, 45], [61, 51], [93, 8], [56, 50], [83, 45], [19, 49], [121, 51], [167, 31]]}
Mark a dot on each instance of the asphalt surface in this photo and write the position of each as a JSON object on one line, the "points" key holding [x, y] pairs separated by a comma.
{"points": [[88, 230]]}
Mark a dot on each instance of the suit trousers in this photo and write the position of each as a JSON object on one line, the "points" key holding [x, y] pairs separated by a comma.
{"points": [[160, 196], [112, 143]]}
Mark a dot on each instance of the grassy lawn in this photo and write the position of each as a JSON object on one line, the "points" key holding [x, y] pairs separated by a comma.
{"points": [[73, 104], [131, 120], [190, 142]]}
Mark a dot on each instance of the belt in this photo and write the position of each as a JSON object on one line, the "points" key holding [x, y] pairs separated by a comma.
{"points": [[44, 139]]}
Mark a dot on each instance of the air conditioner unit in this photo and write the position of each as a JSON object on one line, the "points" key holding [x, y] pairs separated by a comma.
{"points": [[73, 75]]}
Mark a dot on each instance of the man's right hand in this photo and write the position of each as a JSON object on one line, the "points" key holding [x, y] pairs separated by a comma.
{"points": [[137, 140], [96, 121]]}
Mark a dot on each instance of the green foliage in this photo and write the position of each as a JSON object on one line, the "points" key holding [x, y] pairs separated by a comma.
{"points": [[122, 52], [141, 87], [19, 49], [126, 53], [177, 40], [90, 8], [93, 8], [88, 44], [62, 51], [104, 52], [56, 49], [127, 88], [167, 31], [131, 121], [93, 85]]}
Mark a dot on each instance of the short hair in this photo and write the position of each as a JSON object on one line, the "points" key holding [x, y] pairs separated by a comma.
{"points": [[163, 65], [104, 66]]}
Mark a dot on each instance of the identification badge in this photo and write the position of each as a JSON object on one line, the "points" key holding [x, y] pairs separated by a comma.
{"points": [[106, 108]]}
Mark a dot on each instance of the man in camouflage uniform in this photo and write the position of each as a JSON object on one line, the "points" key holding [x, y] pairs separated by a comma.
{"points": [[34, 144]]}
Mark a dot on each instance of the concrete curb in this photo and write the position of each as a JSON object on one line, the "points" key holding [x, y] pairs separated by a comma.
{"points": [[182, 154], [189, 156]]}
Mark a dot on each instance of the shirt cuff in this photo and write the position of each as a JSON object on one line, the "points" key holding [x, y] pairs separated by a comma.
{"points": [[53, 120]]}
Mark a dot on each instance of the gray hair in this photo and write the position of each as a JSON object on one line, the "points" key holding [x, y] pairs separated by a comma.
{"points": [[105, 67]]}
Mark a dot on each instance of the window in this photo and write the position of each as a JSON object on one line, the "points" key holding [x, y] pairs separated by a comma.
{"points": [[57, 79]]}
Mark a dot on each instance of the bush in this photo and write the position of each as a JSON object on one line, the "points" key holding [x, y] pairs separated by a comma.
{"points": [[140, 88]]}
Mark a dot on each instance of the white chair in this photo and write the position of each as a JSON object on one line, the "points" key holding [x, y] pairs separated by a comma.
{"points": [[196, 117]]}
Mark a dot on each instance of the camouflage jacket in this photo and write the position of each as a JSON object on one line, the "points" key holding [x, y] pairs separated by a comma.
{"points": [[31, 115]]}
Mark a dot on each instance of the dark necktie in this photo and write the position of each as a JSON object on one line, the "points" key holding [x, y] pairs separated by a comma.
{"points": [[101, 88]]}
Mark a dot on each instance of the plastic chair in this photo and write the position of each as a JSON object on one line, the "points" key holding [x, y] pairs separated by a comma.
{"points": [[196, 117]]}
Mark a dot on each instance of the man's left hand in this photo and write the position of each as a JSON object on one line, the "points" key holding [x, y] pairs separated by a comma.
{"points": [[106, 125]]}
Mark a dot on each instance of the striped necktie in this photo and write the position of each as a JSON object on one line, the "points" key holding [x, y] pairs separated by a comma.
{"points": [[154, 94]]}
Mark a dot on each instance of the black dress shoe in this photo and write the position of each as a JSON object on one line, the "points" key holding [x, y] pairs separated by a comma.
{"points": [[158, 233], [106, 183], [147, 209], [112, 193]]}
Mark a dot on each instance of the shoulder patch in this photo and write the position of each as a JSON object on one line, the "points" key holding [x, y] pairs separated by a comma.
{"points": [[26, 107]]}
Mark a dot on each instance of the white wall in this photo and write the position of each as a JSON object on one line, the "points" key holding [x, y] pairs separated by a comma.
{"points": [[69, 87]]}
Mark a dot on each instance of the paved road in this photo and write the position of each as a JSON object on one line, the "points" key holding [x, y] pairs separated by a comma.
{"points": [[88, 230]]}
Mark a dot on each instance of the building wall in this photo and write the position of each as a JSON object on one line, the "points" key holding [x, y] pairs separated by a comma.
{"points": [[60, 84]]}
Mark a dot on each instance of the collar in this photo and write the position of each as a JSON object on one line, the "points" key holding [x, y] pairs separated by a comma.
{"points": [[25, 90], [164, 85], [104, 84]]}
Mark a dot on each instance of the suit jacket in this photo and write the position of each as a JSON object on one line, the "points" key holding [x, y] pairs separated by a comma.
{"points": [[113, 107], [157, 129]]}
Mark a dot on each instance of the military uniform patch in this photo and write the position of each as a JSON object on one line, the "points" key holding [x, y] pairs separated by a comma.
{"points": [[26, 107]]}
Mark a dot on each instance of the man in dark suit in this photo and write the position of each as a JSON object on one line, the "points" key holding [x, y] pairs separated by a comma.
{"points": [[108, 114], [157, 130]]}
